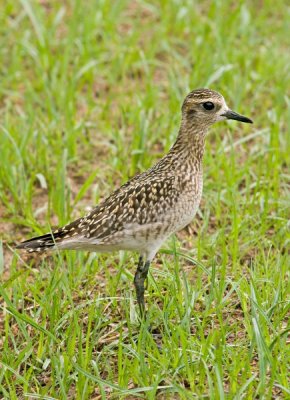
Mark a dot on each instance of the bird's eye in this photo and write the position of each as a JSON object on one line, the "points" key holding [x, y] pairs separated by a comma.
{"points": [[208, 105]]}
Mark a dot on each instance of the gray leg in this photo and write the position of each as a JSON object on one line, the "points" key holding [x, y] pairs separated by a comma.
{"points": [[139, 279]]}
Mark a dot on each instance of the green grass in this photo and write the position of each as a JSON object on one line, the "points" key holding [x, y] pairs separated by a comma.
{"points": [[90, 94]]}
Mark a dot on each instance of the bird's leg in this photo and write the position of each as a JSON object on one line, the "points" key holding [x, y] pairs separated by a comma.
{"points": [[140, 276]]}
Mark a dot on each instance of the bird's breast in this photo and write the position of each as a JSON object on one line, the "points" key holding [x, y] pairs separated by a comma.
{"points": [[187, 204]]}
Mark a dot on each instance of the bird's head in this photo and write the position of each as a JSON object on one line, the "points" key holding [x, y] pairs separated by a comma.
{"points": [[205, 107]]}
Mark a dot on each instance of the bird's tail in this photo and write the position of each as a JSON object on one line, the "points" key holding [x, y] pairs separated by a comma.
{"points": [[52, 240], [40, 243]]}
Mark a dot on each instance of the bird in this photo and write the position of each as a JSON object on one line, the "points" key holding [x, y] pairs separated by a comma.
{"points": [[141, 214]]}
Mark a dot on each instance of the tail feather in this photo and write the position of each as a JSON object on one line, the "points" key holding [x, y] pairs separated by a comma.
{"points": [[52, 240], [40, 243]]}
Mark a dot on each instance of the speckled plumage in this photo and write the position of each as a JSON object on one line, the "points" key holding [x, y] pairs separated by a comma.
{"points": [[142, 213]]}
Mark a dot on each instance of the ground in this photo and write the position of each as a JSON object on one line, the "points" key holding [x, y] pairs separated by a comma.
{"points": [[90, 94]]}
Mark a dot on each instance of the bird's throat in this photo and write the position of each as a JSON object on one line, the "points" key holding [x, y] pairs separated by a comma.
{"points": [[190, 142]]}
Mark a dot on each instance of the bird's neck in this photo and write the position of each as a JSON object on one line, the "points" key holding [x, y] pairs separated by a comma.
{"points": [[190, 142]]}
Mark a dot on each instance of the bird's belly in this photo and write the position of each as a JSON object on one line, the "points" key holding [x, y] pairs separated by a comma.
{"points": [[134, 237]]}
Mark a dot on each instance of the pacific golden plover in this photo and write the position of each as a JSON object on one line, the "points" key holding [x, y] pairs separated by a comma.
{"points": [[142, 213]]}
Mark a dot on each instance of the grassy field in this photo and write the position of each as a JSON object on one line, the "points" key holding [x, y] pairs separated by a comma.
{"points": [[90, 94]]}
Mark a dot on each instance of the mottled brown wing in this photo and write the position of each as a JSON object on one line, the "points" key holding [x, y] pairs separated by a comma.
{"points": [[135, 202]]}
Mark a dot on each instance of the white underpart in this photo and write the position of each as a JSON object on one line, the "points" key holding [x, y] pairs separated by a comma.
{"points": [[132, 238]]}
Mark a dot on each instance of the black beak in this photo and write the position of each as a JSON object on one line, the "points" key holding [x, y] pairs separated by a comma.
{"points": [[233, 115]]}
